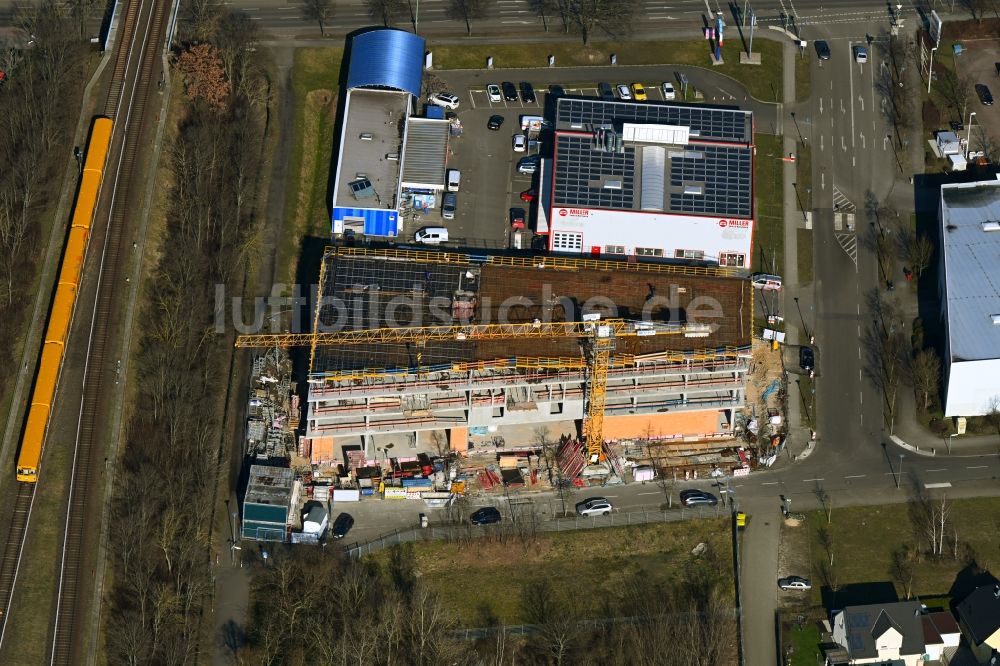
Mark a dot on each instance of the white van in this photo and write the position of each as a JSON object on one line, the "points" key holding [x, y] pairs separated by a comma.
{"points": [[454, 179], [431, 235]]}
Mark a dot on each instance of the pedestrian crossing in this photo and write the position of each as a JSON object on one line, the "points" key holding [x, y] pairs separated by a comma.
{"points": [[849, 243], [841, 203]]}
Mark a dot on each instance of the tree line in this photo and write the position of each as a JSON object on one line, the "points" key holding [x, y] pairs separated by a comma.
{"points": [[164, 495], [40, 95], [312, 606]]}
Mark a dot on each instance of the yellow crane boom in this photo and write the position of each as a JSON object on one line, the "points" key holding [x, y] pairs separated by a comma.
{"points": [[601, 334]]}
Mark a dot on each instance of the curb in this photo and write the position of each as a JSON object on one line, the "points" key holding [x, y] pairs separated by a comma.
{"points": [[914, 449]]}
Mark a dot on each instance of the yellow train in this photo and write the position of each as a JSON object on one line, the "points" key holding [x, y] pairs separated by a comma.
{"points": [[61, 314]]}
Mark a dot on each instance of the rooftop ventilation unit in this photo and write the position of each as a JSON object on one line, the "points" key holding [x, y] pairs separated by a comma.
{"points": [[992, 225], [995, 319]]}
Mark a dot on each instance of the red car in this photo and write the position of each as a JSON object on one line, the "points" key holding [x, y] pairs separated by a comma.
{"points": [[529, 195], [517, 218]]}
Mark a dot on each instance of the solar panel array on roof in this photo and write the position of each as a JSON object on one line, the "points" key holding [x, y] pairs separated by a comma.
{"points": [[584, 175], [705, 122], [724, 173]]}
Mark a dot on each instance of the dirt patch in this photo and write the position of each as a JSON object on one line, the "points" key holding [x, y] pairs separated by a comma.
{"points": [[589, 56], [763, 389]]}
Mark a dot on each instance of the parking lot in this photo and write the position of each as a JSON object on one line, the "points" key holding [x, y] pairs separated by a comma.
{"points": [[490, 183], [978, 63]]}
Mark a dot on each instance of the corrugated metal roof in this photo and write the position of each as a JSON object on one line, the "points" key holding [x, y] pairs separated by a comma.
{"points": [[425, 153], [387, 58], [654, 159], [972, 268], [375, 221]]}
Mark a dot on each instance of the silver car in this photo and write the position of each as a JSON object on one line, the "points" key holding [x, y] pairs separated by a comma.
{"points": [[594, 506], [794, 583]]}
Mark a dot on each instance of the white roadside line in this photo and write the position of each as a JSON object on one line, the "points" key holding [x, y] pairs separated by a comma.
{"points": [[855, 476], [808, 480], [937, 485]]}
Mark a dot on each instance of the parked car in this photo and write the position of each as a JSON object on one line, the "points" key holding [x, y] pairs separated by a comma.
{"points": [[623, 91], [528, 164], [509, 91], [594, 506], [556, 91], [431, 235], [794, 583], [638, 92], [520, 143], [860, 54], [668, 91], [529, 195], [517, 217], [807, 359], [527, 92], [605, 92], [822, 49], [494, 122], [342, 525], [447, 100], [488, 515], [493, 92], [449, 205], [985, 96], [695, 497]]}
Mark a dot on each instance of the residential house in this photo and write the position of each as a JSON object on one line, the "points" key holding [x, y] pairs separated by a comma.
{"points": [[941, 635], [890, 633], [979, 618]]}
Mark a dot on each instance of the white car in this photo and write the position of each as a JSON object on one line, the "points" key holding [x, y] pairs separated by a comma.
{"points": [[623, 91], [668, 91], [447, 100], [594, 506], [493, 92], [860, 54], [520, 143], [794, 583]]}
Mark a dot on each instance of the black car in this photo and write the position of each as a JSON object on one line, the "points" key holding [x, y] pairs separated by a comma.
{"points": [[984, 94], [694, 497], [509, 91], [807, 359], [488, 515], [557, 91], [342, 525], [822, 50], [527, 93], [605, 92], [495, 122]]}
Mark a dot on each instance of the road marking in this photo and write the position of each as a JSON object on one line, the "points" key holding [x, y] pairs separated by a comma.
{"points": [[808, 480], [937, 485], [976, 467], [942, 469], [855, 476], [770, 483], [610, 496], [654, 493]]}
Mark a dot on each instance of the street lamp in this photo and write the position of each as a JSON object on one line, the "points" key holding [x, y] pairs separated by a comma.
{"points": [[968, 136], [930, 70], [899, 472]]}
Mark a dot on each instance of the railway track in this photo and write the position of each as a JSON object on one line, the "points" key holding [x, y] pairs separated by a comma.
{"points": [[130, 90], [137, 59]]}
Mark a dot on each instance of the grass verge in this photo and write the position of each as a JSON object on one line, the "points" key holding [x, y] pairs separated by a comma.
{"points": [[804, 254], [770, 242], [605, 558], [315, 80], [863, 540], [762, 81], [803, 76]]}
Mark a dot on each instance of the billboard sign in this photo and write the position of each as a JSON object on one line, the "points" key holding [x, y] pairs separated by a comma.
{"points": [[936, 26]]}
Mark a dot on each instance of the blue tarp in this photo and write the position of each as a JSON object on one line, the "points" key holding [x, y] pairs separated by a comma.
{"points": [[434, 111], [378, 222]]}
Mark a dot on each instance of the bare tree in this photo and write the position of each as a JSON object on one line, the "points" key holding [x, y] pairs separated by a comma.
{"points": [[546, 9], [993, 413], [825, 501], [925, 372], [825, 538], [467, 11], [902, 570], [956, 90], [919, 251], [320, 11], [385, 10], [614, 17]]}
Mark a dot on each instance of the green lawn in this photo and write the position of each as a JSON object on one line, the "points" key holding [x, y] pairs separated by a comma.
{"points": [[769, 244], [803, 76], [762, 81], [483, 579], [864, 538], [804, 642], [804, 254]]}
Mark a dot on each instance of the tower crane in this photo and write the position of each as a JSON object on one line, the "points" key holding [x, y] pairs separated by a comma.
{"points": [[599, 336]]}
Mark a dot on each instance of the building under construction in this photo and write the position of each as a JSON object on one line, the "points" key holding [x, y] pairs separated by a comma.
{"points": [[434, 394]]}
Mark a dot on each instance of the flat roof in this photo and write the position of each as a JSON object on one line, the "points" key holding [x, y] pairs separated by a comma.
{"points": [[372, 130], [707, 123], [363, 292], [426, 152], [694, 179], [269, 485], [970, 223]]}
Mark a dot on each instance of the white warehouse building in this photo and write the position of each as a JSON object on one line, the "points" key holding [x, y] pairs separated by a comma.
{"points": [[970, 292], [661, 181]]}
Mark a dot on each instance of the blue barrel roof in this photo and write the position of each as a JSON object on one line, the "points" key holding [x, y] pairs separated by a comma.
{"points": [[387, 59]]}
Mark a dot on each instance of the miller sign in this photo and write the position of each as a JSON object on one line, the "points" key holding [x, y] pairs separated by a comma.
{"points": [[735, 224], [574, 212]]}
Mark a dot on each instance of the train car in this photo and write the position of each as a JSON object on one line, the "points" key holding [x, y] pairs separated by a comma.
{"points": [[64, 302]]}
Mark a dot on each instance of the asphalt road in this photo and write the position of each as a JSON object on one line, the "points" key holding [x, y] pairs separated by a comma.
{"points": [[431, 17]]}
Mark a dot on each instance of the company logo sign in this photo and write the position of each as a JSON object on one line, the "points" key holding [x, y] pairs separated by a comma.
{"points": [[735, 224], [574, 212]]}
